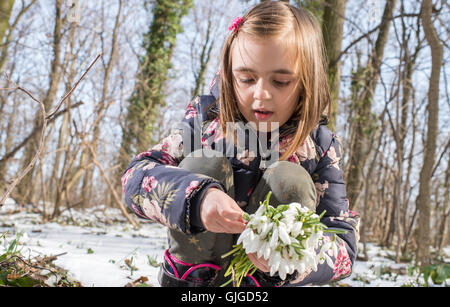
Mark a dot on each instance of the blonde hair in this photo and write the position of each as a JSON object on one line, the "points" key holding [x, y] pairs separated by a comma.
{"points": [[301, 32]]}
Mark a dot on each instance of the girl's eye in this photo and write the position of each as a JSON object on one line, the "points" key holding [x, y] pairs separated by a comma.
{"points": [[246, 80], [281, 83]]}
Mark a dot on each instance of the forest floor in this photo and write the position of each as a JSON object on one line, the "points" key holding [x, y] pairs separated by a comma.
{"points": [[99, 248]]}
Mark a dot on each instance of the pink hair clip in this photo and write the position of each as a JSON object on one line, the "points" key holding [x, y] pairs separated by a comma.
{"points": [[235, 25]]}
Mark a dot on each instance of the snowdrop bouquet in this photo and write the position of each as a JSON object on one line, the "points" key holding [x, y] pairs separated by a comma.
{"points": [[290, 237]]}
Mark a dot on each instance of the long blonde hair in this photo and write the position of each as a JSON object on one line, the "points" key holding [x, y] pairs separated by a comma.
{"points": [[301, 32]]}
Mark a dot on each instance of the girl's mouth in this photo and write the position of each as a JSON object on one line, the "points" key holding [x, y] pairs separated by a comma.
{"points": [[262, 115]]}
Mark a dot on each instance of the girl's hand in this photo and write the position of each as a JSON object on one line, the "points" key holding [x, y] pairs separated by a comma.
{"points": [[260, 263], [220, 213]]}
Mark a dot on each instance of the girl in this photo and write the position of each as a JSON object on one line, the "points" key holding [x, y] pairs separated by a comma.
{"points": [[201, 178]]}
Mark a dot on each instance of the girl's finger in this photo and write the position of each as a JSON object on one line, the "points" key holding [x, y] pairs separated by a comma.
{"points": [[233, 215], [227, 226], [234, 226]]}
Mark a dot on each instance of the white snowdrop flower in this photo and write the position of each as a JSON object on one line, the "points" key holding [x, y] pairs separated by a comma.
{"points": [[251, 236], [250, 246], [296, 228], [313, 241], [259, 220], [261, 249], [247, 239], [261, 210], [243, 235], [283, 269], [273, 270], [295, 206], [274, 262], [329, 261], [274, 239], [265, 229], [255, 245], [314, 263], [24, 238], [303, 209], [292, 267], [325, 247], [267, 251], [291, 251], [294, 240], [288, 223], [284, 236], [301, 267], [335, 249], [255, 223], [263, 223], [289, 215], [309, 243], [319, 234], [310, 259]]}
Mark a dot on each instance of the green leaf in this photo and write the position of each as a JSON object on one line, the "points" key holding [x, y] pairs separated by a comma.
{"points": [[439, 275], [3, 257], [90, 251], [11, 246], [282, 208], [25, 281], [245, 217]]}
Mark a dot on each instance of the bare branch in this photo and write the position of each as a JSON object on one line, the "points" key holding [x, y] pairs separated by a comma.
{"points": [[45, 119]]}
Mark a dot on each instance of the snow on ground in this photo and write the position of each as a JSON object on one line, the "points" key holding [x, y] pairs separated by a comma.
{"points": [[95, 252], [96, 248]]}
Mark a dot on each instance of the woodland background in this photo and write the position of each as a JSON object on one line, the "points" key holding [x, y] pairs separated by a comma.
{"points": [[388, 64]]}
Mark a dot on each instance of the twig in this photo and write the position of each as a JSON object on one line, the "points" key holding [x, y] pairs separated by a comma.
{"points": [[7, 261], [45, 119], [233, 277], [38, 152], [74, 87], [13, 151], [105, 177]]}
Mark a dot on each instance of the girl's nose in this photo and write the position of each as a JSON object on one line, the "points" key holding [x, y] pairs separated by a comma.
{"points": [[261, 90]]}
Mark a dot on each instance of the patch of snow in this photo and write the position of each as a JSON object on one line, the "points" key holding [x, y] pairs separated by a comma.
{"points": [[95, 256]]}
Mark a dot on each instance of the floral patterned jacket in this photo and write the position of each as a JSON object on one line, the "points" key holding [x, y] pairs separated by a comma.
{"points": [[156, 189]]}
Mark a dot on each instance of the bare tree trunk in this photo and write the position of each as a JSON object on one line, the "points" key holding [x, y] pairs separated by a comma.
{"points": [[56, 179], [363, 123], [409, 60], [407, 190], [443, 227], [102, 107], [6, 31], [367, 192], [23, 189], [5, 12], [423, 199], [204, 60], [316, 7], [332, 29], [6, 28], [8, 142]]}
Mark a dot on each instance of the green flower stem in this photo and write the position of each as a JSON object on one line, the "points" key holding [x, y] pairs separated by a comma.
{"points": [[235, 249]]}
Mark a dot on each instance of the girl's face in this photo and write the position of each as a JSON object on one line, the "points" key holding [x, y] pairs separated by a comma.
{"points": [[264, 81]]}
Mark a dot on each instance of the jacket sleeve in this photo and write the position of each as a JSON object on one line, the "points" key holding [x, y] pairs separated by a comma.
{"points": [[332, 197], [155, 188]]}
